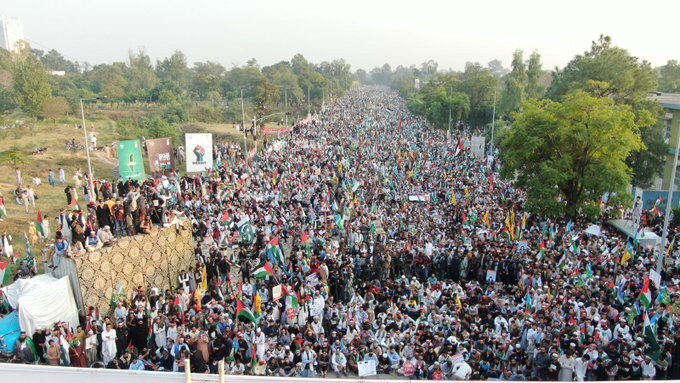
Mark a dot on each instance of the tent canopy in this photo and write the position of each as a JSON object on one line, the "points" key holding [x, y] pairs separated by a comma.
{"points": [[42, 301]]}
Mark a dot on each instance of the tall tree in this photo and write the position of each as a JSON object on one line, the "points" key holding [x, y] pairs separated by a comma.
{"points": [[610, 71], [141, 77], [479, 84], [174, 69], [567, 154], [31, 85], [534, 73], [514, 92]]}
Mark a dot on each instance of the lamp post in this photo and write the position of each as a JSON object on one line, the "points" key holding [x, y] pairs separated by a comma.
{"points": [[243, 126], [90, 181], [493, 120], [671, 185]]}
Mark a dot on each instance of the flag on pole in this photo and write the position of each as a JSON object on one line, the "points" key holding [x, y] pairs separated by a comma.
{"points": [[204, 279], [292, 301], [459, 147], [529, 302], [39, 225], [626, 256], [257, 305], [3, 269], [646, 294], [275, 251], [541, 250], [663, 298], [652, 347], [263, 271], [244, 313]]}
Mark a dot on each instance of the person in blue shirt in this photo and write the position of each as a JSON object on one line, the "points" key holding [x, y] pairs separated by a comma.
{"points": [[136, 364]]}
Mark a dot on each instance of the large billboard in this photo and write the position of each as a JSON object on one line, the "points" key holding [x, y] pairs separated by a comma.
{"points": [[161, 156], [130, 161], [199, 152]]}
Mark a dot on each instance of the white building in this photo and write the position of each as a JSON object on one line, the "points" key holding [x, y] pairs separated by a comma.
{"points": [[11, 32]]}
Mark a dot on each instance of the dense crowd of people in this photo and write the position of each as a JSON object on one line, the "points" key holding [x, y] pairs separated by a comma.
{"points": [[365, 240]]}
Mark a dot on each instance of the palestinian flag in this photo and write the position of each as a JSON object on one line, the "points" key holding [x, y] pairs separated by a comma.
{"points": [[225, 218], [4, 267], [275, 250], [652, 347], [645, 294], [541, 250], [74, 205], [39, 225], [244, 313], [459, 147], [307, 243], [292, 301], [263, 271]]}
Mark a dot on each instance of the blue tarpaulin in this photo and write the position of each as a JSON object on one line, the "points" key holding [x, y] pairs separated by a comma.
{"points": [[10, 330]]}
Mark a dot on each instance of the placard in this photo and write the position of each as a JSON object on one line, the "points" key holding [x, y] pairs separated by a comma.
{"points": [[277, 292], [367, 368], [491, 276], [199, 152], [130, 162], [161, 156]]}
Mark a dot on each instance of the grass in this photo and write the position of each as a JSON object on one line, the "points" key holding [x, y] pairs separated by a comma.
{"points": [[53, 135]]}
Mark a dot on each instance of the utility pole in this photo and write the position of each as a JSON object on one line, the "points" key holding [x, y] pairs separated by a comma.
{"points": [[448, 132], [243, 126], [669, 204], [493, 120], [309, 103], [285, 93]]}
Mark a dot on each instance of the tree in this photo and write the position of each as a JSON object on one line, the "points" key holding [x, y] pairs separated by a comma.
{"points": [[266, 95], [496, 68], [534, 73], [31, 86], [479, 83], [514, 92], [568, 154], [14, 157], [141, 78], [669, 77], [54, 108], [109, 80], [206, 77], [609, 71], [174, 69]]}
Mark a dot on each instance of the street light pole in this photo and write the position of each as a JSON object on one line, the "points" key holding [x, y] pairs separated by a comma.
{"points": [[448, 132], [285, 93], [669, 205], [493, 119], [309, 103], [90, 182], [243, 126]]}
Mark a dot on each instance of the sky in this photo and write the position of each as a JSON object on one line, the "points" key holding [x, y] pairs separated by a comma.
{"points": [[365, 33]]}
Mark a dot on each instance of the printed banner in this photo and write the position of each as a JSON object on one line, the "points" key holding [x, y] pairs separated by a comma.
{"points": [[199, 152], [130, 161], [161, 158], [277, 292]]}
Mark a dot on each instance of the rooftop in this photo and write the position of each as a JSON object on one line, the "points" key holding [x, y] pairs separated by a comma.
{"points": [[667, 100]]}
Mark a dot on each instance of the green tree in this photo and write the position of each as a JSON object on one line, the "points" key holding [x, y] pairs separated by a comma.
{"points": [[31, 86], [609, 71], [109, 80], [266, 96], [174, 69], [534, 73], [478, 83], [567, 154], [141, 77], [514, 92], [669, 77], [14, 157], [54, 108], [206, 77]]}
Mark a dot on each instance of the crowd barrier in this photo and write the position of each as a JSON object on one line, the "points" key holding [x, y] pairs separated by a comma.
{"points": [[32, 373]]}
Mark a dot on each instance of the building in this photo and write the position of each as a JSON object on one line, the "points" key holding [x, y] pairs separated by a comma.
{"points": [[11, 33], [670, 121]]}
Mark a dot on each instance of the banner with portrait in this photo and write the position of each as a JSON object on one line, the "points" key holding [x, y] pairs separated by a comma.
{"points": [[199, 149]]}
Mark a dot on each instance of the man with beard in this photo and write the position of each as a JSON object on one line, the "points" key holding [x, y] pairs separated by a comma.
{"points": [[122, 339]]}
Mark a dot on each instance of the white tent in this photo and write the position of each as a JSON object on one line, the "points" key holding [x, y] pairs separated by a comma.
{"points": [[42, 301], [594, 230]]}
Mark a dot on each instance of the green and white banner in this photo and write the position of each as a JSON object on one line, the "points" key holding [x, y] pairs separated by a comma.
{"points": [[130, 162]]}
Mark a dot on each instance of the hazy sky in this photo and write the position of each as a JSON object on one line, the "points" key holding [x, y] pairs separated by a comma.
{"points": [[366, 33]]}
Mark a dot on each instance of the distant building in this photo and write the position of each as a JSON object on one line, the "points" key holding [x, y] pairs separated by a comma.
{"points": [[11, 32], [670, 121]]}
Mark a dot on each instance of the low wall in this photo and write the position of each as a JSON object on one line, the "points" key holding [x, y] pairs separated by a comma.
{"points": [[153, 259]]}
